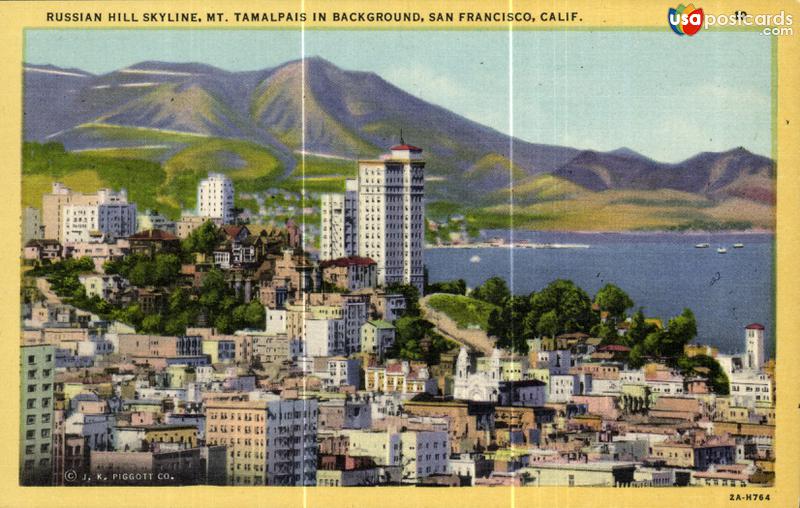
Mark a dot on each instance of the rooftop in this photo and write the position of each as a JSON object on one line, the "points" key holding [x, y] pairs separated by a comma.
{"points": [[348, 261], [153, 234]]}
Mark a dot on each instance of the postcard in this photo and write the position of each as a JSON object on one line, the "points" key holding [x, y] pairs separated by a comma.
{"points": [[313, 253]]}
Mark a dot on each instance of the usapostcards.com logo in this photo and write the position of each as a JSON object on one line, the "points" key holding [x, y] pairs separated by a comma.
{"points": [[685, 19]]}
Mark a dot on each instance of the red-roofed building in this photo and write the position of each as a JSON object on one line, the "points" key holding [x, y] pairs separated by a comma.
{"points": [[406, 147], [351, 273], [235, 233]]}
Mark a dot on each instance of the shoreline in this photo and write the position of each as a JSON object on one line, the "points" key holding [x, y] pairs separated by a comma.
{"points": [[640, 233], [526, 238]]}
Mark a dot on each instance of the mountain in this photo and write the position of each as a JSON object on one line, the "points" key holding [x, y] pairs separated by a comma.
{"points": [[192, 118], [735, 173]]}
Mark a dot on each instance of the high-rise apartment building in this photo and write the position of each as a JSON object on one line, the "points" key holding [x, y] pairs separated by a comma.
{"points": [[32, 228], [215, 198], [269, 441], [37, 365], [339, 231], [391, 214]]}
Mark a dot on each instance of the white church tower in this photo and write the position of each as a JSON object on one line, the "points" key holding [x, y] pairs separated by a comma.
{"points": [[461, 384], [494, 365], [755, 356]]}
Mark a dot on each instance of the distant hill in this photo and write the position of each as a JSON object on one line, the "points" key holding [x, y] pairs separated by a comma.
{"points": [[735, 173], [192, 118]]}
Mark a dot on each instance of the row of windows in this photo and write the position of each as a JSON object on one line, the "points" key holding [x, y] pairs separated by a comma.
{"points": [[736, 388], [30, 463], [31, 419], [31, 403], [31, 433], [31, 449], [32, 359]]}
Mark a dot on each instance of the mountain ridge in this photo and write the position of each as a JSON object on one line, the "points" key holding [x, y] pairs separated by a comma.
{"points": [[348, 114]]}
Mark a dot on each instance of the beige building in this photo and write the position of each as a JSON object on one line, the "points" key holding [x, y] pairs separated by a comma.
{"points": [[52, 204], [270, 441], [579, 474], [71, 216]]}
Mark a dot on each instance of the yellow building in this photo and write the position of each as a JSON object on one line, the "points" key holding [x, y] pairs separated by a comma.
{"points": [[400, 377], [182, 434]]}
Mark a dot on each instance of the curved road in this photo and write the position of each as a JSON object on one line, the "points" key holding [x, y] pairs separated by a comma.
{"points": [[476, 340]]}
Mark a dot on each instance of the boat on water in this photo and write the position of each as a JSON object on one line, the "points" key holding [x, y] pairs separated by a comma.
{"points": [[738, 245], [722, 250], [475, 259], [702, 246]]}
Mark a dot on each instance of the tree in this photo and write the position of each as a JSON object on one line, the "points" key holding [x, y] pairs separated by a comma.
{"points": [[669, 343], [606, 331], [571, 305], [255, 316], [636, 356], [151, 323], [680, 331], [494, 290], [142, 274], [416, 339], [707, 368], [516, 333], [497, 326], [132, 315], [203, 240], [453, 287], [548, 324], [167, 269], [410, 294], [409, 332], [613, 300], [639, 329]]}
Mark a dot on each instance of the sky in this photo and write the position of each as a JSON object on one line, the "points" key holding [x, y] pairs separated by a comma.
{"points": [[665, 96]]}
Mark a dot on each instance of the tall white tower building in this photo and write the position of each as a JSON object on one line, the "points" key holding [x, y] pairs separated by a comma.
{"points": [[392, 214], [340, 223], [215, 198], [755, 355]]}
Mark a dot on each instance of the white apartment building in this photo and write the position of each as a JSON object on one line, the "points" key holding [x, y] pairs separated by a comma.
{"points": [[424, 453], [339, 228], [111, 217], [384, 447], [562, 387], [215, 198], [324, 337], [749, 388], [391, 214]]}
